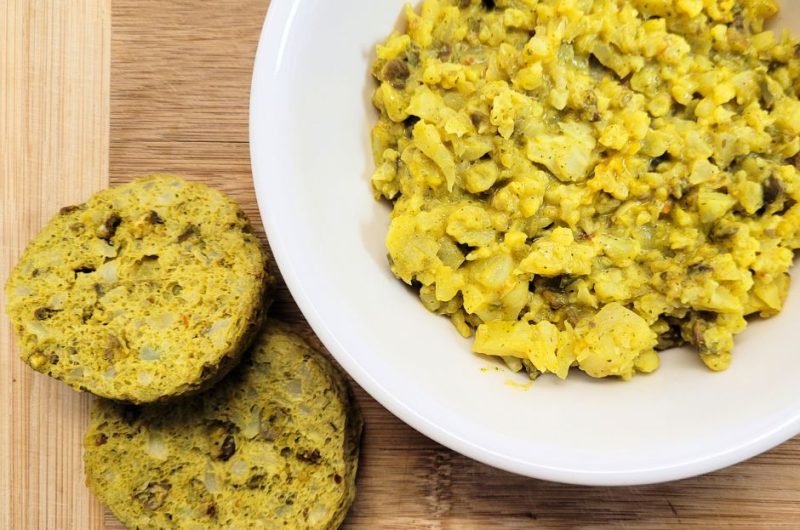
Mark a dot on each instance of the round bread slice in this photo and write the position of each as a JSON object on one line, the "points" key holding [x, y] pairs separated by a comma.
{"points": [[274, 445], [148, 291]]}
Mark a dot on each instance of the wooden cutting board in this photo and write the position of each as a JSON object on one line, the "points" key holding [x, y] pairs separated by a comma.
{"points": [[95, 92]]}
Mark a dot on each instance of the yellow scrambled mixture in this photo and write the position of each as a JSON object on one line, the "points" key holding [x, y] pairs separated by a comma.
{"points": [[584, 183]]}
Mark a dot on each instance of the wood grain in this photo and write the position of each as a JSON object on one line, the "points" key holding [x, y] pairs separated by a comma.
{"points": [[179, 96], [54, 95]]}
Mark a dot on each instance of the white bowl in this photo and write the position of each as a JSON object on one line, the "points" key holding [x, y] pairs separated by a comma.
{"points": [[310, 121]]}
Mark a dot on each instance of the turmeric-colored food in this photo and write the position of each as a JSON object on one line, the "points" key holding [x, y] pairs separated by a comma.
{"points": [[586, 183], [147, 292]]}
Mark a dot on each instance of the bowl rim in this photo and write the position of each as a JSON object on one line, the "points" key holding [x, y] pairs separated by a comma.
{"points": [[276, 31]]}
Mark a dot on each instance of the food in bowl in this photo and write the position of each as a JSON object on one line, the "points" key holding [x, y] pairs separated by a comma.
{"points": [[586, 183]]}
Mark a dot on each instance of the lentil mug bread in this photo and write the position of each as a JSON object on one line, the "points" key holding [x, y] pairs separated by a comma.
{"points": [[148, 291], [274, 445]]}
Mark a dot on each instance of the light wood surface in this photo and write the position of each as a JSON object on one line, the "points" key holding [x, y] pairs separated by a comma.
{"points": [[54, 101], [180, 79]]}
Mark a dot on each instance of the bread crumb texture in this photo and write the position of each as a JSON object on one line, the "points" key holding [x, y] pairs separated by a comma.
{"points": [[274, 445], [148, 291]]}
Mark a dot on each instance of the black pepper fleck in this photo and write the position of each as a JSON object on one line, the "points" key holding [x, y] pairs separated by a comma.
{"points": [[43, 313], [190, 231], [312, 457], [66, 210], [109, 227], [154, 219], [228, 448]]}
